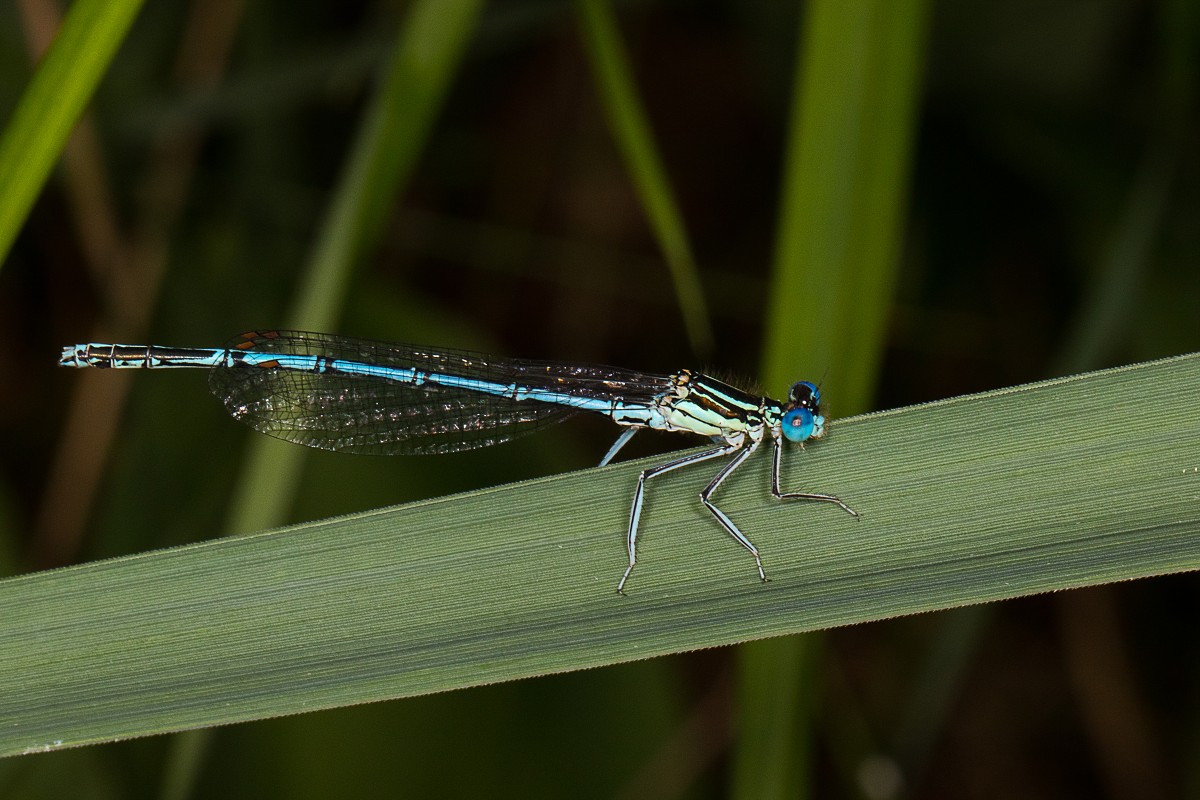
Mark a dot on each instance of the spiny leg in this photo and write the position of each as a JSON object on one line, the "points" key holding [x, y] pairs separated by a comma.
{"points": [[635, 514], [726, 522], [621, 441], [827, 498]]}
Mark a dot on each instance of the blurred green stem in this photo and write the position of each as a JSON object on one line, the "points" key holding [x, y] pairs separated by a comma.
{"points": [[845, 188], [63, 85], [631, 128], [413, 88]]}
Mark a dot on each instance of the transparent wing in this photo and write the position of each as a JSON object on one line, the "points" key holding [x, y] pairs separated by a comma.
{"points": [[377, 415]]}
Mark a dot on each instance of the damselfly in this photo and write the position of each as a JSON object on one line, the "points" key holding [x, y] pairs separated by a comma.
{"points": [[362, 396]]}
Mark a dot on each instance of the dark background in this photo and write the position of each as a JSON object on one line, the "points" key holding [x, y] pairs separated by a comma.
{"points": [[1055, 149]]}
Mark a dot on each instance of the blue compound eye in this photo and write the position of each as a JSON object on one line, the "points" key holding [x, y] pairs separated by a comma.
{"points": [[797, 424], [805, 395]]}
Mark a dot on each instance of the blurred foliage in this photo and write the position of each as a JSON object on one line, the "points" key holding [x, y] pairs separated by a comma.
{"points": [[1050, 228]]}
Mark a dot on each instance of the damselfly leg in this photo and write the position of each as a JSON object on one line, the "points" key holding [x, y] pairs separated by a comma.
{"points": [[826, 498], [635, 513]]}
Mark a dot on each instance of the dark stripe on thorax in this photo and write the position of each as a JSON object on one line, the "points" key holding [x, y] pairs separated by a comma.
{"points": [[723, 399]]}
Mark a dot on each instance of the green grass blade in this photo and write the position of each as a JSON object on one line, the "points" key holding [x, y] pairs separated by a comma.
{"points": [[614, 79], [1066, 483], [61, 88], [401, 112], [844, 193], [774, 700], [425, 59]]}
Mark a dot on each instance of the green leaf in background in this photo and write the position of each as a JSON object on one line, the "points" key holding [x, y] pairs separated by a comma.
{"points": [[857, 86], [415, 83], [630, 126], [845, 192], [61, 88], [1066, 483], [426, 56]]}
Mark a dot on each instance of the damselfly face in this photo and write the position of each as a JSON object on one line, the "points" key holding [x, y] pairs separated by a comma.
{"points": [[802, 418]]}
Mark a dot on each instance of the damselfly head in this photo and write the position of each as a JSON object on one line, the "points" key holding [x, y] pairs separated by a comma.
{"points": [[802, 418]]}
